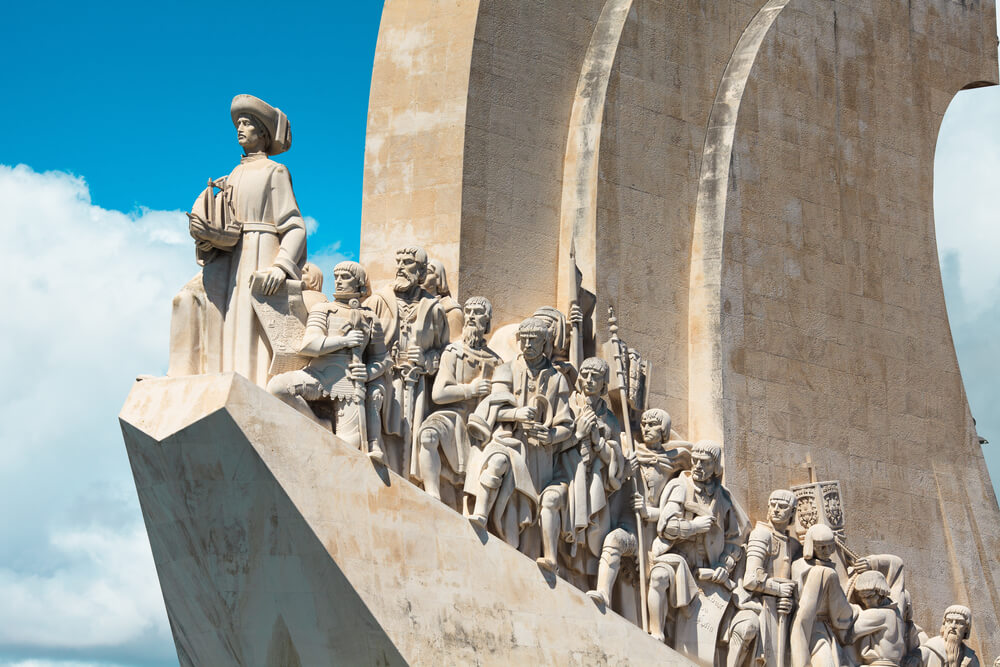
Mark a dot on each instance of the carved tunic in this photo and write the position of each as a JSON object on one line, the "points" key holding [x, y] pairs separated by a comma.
{"points": [[331, 370]]}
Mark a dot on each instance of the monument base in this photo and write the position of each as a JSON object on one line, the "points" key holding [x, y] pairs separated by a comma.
{"points": [[277, 544]]}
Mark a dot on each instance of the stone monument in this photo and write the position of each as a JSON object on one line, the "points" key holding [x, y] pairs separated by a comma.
{"points": [[366, 479]]}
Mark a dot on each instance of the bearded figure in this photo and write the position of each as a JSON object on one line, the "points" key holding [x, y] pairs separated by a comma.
{"points": [[949, 648], [463, 379], [416, 333]]}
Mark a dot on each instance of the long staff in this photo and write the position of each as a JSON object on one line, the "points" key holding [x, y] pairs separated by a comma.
{"points": [[636, 476]]}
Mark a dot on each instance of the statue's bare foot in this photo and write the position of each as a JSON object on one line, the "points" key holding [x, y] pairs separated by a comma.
{"points": [[478, 520], [598, 597]]}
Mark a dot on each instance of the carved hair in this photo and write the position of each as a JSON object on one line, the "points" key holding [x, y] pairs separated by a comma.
{"points": [[535, 325], [597, 364], [358, 272], [416, 253], [442, 275], [710, 449], [312, 277], [661, 416], [485, 303], [964, 612], [872, 581], [818, 532], [784, 494]]}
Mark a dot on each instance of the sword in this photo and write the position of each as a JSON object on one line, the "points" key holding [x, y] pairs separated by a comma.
{"points": [[783, 626], [359, 385]]}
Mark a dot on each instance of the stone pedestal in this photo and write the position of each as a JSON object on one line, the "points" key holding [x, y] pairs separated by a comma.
{"points": [[277, 544]]}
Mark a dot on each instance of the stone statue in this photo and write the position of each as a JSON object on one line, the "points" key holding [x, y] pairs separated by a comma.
{"points": [[463, 379], [436, 284], [346, 347], [699, 543], [948, 649], [771, 549], [822, 623], [251, 225], [312, 285], [576, 516], [416, 332], [879, 630], [530, 423], [558, 349], [655, 461]]}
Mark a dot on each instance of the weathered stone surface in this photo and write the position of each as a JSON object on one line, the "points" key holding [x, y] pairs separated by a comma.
{"points": [[277, 544], [764, 227]]}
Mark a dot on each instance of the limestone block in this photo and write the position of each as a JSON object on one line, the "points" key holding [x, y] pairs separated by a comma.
{"points": [[277, 544]]}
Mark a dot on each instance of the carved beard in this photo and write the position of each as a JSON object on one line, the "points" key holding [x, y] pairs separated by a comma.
{"points": [[404, 282], [473, 335], [953, 650]]}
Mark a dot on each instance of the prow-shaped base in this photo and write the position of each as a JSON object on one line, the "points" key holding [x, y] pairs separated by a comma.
{"points": [[277, 544]]}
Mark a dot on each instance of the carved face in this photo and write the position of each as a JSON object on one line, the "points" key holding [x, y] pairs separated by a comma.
{"points": [[779, 510], [824, 549], [252, 138], [408, 272], [532, 344], [870, 599], [954, 625], [345, 282], [652, 431], [476, 317], [432, 281], [592, 381], [703, 467]]}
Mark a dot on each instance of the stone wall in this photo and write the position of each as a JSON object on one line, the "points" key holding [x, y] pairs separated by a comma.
{"points": [[763, 225]]}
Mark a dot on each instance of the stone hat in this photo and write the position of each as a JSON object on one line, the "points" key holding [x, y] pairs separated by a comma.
{"points": [[274, 120]]}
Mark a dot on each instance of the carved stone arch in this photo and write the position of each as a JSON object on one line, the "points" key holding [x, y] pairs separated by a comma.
{"points": [[705, 358]]}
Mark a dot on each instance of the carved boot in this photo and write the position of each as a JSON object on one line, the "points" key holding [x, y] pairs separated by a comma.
{"points": [[607, 572], [487, 495]]}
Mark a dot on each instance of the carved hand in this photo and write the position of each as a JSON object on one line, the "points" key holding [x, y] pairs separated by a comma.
{"points": [[633, 463], [415, 355], [355, 338], [575, 315], [786, 590], [358, 371], [275, 279], [639, 505], [720, 574], [525, 414], [586, 422], [480, 388], [861, 565], [702, 524], [785, 605], [542, 434]]}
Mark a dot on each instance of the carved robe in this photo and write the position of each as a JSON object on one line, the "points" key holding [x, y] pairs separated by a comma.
{"points": [[934, 654], [214, 327], [823, 618], [586, 516], [422, 323]]}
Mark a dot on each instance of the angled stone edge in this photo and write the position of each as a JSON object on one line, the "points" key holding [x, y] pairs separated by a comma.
{"points": [[277, 544]]}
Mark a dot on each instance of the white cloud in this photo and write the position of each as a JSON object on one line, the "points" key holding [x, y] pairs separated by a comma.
{"points": [[87, 296]]}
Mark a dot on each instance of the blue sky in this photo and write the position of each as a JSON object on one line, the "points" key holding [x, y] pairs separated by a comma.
{"points": [[116, 114]]}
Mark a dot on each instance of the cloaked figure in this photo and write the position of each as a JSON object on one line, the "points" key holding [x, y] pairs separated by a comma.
{"points": [[252, 224]]}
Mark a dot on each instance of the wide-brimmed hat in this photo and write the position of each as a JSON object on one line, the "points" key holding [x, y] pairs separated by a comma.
{"points": [[273, 118]]}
